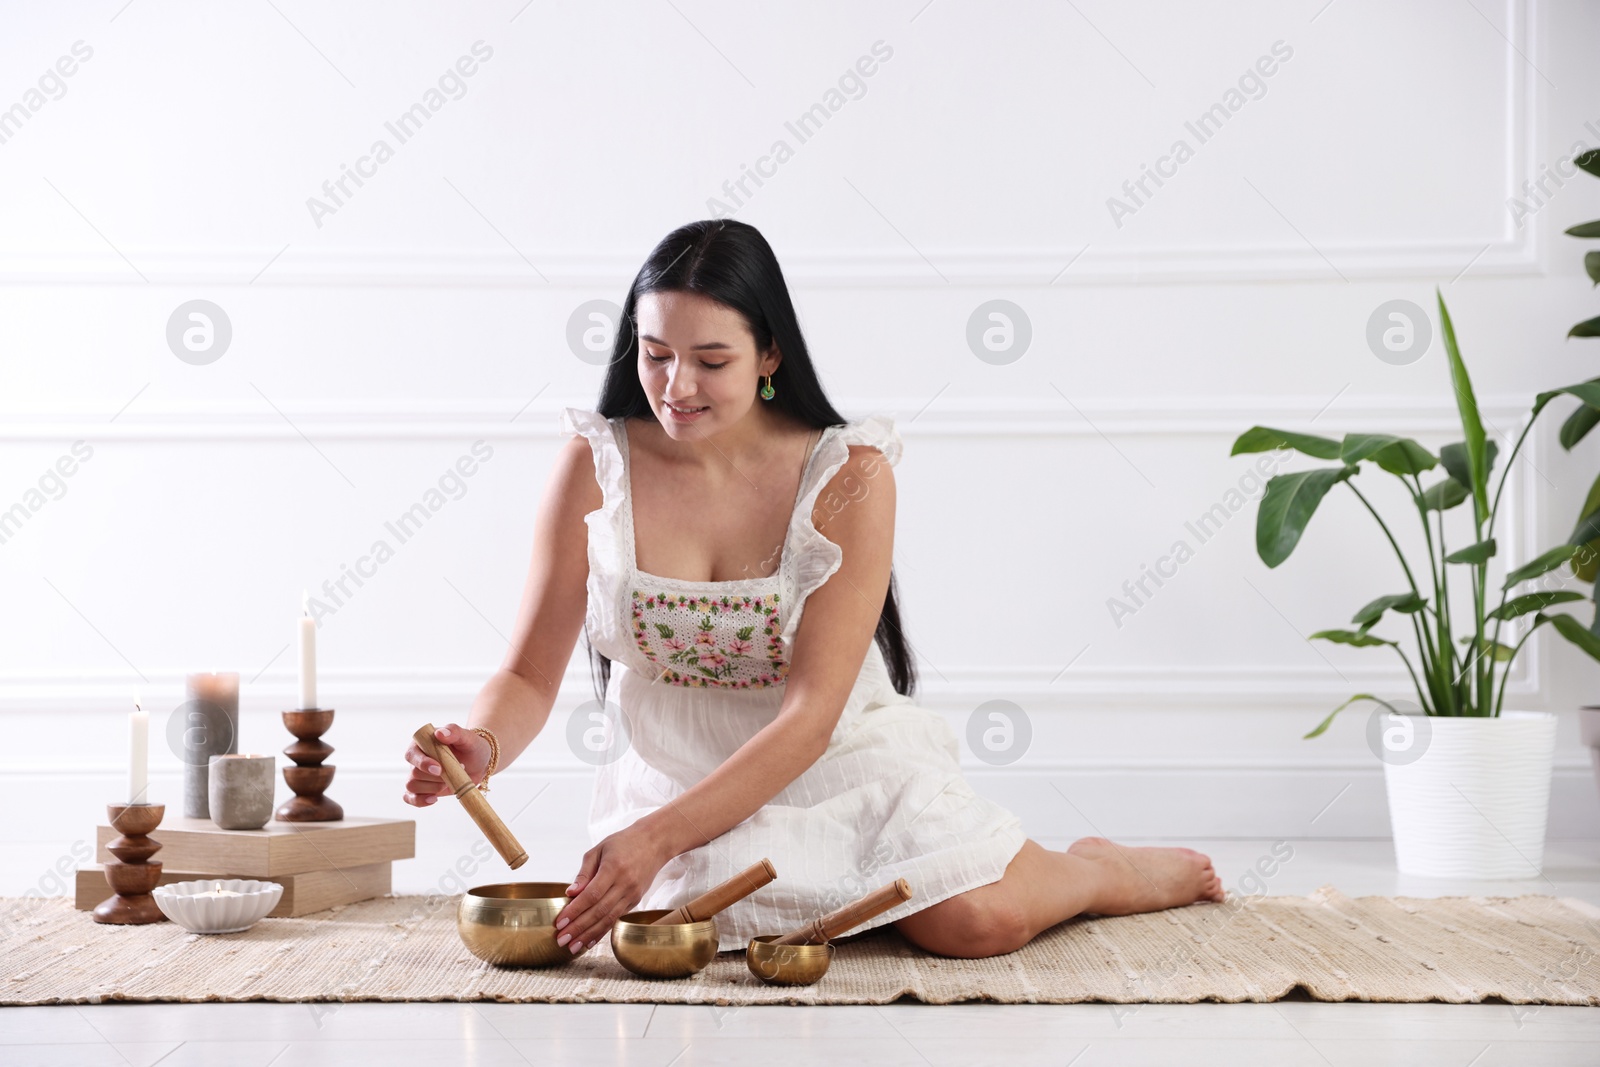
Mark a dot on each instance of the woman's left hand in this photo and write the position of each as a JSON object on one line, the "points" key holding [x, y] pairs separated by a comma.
{"points": [[610, 883]]}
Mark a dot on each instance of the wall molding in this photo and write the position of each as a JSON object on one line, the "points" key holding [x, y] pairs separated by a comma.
{"points": [[1080, 265], [914, 416], [1077, 263], [1042, 687]]}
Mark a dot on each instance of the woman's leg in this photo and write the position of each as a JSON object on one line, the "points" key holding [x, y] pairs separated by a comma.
{"points": [[1041, 888]]}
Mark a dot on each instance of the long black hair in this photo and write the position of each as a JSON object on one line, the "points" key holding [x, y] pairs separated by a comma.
{"points": [[730, 262]]}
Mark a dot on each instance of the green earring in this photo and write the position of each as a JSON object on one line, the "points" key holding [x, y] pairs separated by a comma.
{"points": [[767, 392]]}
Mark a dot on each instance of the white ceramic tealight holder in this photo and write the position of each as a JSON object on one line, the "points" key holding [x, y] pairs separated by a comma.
{"points": [[217, 905]]}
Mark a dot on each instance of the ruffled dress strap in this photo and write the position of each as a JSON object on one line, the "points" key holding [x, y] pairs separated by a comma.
{"points": [[608, 559], [810, 558]]}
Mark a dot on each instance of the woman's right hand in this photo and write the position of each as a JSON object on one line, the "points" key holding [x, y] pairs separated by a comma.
{"points": [[427, 782]]}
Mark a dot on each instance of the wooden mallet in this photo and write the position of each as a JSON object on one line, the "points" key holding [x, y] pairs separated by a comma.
{"points": [[475, 803], [728, 893], [821, 931]]}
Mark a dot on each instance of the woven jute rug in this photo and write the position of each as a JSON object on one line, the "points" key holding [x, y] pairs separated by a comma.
{"points": [[1524, 950]]}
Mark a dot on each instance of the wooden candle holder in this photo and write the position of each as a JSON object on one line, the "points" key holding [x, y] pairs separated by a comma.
{"points": [[821, 931], [309, 777], [132, 875], [721, 897]]}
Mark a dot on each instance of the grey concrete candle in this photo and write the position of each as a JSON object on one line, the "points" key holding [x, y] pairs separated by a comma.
{"points": [[240, 791], [207, 725]]}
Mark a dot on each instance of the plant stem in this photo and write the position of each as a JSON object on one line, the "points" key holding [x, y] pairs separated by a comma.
{"points": [[1494, 511], [1446, 622], [1443, 666], [1500, 697], [1407, 662], [1505, 471], [1410, 580], [1428, 696], [1392, 543]]}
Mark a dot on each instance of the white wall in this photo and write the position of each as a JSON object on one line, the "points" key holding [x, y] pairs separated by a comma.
{"points": [[374, 344]]}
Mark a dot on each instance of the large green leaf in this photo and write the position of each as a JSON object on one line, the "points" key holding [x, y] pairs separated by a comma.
{"points": [[1397, 455], [1588, 327], [1405, 603], [1587, 530], [1533, 602], [1584, 229], [1265, 439], [1591, 266], [1589, 161], [1456, 464], [1578, 425], [1360, 639], [1443, 495], [1594, 627], [1477, 553], [1545, 561], [1570, 628], [1471, 422], [1587, 391], [1586, 561], [1286, 507]]}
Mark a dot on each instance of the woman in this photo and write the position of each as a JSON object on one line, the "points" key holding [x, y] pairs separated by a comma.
{"points": [[764, 689]]}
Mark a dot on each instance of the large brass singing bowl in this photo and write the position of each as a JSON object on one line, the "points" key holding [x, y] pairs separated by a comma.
{"points": [[512, 924], [787, 964], [675, 950]]}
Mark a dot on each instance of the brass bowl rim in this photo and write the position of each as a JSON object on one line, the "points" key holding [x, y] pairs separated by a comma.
{"points": [[703, 928], [765, 941], [480, 894]]}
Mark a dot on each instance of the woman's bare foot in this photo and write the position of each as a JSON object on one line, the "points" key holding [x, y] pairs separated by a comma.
{"points": [[1148, 879]]}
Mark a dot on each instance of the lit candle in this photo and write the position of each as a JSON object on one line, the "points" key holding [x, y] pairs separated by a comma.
{"points": [[219, 892], [308, 655], [138, 754]]}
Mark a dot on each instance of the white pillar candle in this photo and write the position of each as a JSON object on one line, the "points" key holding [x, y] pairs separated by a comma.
{"points": [[138, 754], [308, 655]]}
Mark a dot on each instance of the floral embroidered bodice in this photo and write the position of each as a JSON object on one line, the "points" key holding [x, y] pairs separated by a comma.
{"points": [[730, 640], [710, 635]]}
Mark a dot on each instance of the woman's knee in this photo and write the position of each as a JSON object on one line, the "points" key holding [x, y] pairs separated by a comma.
{"points": [[969, 925]]}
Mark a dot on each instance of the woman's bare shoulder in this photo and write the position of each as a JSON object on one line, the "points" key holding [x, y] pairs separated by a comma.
{"points": [[573, 478]]}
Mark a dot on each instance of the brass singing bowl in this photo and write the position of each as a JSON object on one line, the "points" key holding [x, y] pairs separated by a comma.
{"points": [[787, 964], [512, 924], [675, 950]]}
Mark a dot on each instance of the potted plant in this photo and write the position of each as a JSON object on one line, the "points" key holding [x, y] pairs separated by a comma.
{"points": [[1468, 782], [1587, 562]]}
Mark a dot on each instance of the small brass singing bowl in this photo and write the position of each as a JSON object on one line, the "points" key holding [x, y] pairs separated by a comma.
{"points": [[675, 950], [512, 924], [787, 964]]}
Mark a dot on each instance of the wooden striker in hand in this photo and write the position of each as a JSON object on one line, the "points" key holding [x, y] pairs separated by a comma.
{"points": [[476, 804]]}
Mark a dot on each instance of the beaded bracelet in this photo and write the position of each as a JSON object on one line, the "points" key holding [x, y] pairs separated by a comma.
{"points": [[494, 756]]}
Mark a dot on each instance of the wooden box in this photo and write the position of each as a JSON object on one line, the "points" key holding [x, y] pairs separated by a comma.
{"points": [[302, 893], [278, 848]]}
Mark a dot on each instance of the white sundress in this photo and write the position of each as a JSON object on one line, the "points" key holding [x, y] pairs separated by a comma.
{"points": [[697, 669]]}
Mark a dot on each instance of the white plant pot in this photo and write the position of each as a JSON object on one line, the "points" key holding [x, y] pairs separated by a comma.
{"points": [[1475, 803]]}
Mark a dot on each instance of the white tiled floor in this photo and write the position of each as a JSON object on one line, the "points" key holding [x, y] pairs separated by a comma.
{"points": [[1283, 1034]]}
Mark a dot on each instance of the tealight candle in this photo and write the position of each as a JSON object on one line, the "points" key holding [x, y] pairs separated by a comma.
{"points": [[217, 892]]}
